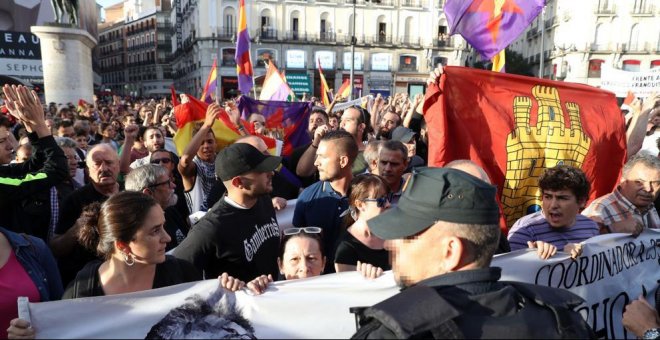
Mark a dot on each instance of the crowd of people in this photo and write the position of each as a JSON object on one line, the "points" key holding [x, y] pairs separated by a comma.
{"points": [[96, 201]]}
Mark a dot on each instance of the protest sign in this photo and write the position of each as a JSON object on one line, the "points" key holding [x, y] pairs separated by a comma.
{"points": [[642, 83], [612, 271]]}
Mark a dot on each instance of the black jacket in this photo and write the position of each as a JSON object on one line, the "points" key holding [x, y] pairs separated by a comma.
{"points": [[474, 304], [46, 168]]}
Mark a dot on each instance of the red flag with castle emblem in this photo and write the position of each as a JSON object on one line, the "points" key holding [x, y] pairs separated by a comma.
{"points": [[515, 127]]}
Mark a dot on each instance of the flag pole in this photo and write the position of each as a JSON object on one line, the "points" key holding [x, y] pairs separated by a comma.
{"points": [[542, 42], [350, 95]]}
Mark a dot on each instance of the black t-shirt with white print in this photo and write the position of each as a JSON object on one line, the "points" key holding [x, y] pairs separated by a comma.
{"points": [[242, 242]]}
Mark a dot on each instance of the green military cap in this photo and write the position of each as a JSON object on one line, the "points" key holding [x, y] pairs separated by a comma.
{"points": [[437, 194]]}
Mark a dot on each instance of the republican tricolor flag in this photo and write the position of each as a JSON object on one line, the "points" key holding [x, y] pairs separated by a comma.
{"points": [[243, 59], [211, 84]]}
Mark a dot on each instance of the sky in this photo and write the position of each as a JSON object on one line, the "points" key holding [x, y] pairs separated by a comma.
{"points": [[106, 3]]}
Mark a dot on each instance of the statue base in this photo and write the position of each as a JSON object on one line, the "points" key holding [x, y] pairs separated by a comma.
{"points": [[66, 55]]}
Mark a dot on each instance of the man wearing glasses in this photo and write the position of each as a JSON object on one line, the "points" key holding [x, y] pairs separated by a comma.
{"points": [[629, 208], [239, 234], [157, 182]]}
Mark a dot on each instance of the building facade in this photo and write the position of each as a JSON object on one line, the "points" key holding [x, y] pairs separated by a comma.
{"points": [[579, 38], [136, 49], [397, 43]]}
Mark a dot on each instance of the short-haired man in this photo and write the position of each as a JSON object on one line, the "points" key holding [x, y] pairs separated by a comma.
{"points": [[152, 138], [452, 292], [392, 164], [559, 225], [64, 128], [371, 152], [407, 137], [323, 203], [239, 234], [629, 208], [356, 121], [103, 164], [301, 161], [156, 181]]}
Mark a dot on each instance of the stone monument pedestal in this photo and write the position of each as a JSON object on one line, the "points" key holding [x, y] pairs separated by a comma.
{"points": [[66, 55]]}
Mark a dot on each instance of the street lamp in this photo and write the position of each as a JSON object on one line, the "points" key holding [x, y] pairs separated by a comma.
{"points": [[350, 96]]}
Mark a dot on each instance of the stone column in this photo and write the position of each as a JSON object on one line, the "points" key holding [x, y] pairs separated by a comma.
{"points": [[66, 55]]}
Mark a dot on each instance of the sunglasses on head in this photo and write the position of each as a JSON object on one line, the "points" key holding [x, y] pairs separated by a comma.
{"points": [[380, 201], [306, 230], [161, 160]]}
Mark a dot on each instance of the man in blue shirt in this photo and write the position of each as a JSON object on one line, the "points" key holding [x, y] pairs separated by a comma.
{"points": [[323, 203]]}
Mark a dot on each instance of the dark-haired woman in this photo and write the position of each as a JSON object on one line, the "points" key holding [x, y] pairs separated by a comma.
{"points": [[358, 248], [127, 231]]}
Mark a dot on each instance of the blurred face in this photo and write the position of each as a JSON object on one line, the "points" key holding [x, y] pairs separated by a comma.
{"points": [[153, 140], [302, 258], [163, 191], [82, 141], [148, 245], [328, 161], [560, 207], [406, 256], [333, 122], [110, 132], [72, 160], [66, 132], [129, 120], [163, 159], [103, 166], [23, 154], [206, 151], [391, 165], [315, 120], [6, 147], [369, 206], [412, 148], [389, 122], [641, 185], [258, 122], [350, 122]]}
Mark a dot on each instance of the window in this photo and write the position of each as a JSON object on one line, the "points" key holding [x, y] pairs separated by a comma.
{"points": [[407, 63], [594, 68], [228, 55], [264, 54], [631, 65]]}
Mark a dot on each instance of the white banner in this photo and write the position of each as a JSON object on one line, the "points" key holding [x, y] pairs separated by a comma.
{"points": [[642, 84], [358, 102], [613, 270]]}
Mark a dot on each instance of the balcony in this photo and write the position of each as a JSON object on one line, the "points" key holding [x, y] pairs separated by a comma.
{"points": [[267, 34], [350, 2], [407, 68], [326, 37], [639, 47], [380, 39], [410, 41], [606, 10], [645, 10], [295, 36], [226, 33], [388, 3], [550, 23], [443, 43], [412, 3], [602, 47]]}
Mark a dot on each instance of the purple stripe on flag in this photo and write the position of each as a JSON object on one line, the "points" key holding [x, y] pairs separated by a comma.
{"points": [[243, 62], [464, 19]]}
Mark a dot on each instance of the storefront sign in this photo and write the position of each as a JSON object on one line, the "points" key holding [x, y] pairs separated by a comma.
{"points": [[326, 58], [381, 61], [359, 61], [295, 59]]}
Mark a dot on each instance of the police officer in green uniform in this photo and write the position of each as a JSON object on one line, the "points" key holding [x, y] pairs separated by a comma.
{"points": [[441, 238]]}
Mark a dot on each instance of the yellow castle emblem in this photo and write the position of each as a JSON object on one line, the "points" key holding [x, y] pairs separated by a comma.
{"points": [[532, 149]]}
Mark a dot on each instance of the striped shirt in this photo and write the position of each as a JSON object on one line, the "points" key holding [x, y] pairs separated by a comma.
{"points": [[534, 227], [615, 207]]}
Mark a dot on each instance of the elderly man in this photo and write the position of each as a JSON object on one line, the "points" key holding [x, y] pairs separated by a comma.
{"points": [[452, 292], [629, 208], [559, 225], [156, 181], [323, 203], [103, 164], [239, 234]]}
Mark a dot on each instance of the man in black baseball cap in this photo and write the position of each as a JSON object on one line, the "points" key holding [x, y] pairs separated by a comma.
{"points": [[239, 235], [441, 238]]}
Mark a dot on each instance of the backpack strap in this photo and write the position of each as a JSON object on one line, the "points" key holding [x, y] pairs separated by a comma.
{"points": [[416, 310]]}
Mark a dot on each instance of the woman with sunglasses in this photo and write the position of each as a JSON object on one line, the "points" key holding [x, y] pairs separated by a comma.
{"points": [[358, 248], [301, 256]]}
